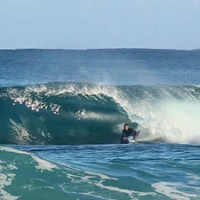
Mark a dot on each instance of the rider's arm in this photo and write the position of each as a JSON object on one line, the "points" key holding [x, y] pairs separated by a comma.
{"points": [[124, 136]]}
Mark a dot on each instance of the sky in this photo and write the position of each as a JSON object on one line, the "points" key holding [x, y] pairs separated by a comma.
{"points": [[95, 24]]}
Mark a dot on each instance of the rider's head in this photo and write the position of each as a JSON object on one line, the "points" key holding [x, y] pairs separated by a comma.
{"points": [[125, 126]]}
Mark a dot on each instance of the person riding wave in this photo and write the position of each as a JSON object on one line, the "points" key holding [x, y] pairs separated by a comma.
{"points": [[127, 132]]}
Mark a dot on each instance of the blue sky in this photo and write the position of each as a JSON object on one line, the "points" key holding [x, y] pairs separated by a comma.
{"points": [[89, 24]]}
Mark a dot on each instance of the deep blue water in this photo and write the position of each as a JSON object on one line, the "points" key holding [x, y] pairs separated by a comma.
{"points": [[61, 115], [119, 67]]}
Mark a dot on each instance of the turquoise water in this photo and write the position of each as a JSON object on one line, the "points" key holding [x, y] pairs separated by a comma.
{"points": [[61, 116], [139, 171]]}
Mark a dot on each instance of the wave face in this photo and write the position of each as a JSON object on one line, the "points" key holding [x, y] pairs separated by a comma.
{"points": [[81, 113]]}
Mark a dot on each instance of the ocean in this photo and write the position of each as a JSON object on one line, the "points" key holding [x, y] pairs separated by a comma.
{"points": [[62, 113]]}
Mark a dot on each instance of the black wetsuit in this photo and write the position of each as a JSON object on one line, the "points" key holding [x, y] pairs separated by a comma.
{"points": [[127, 133]]}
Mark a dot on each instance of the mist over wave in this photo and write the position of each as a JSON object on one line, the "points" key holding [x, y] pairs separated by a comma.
{"points": [[82, 113]]}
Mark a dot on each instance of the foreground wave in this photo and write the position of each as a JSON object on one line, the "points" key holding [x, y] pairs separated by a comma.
{"points": [[141, 171], [26, 176], [81, 113]]}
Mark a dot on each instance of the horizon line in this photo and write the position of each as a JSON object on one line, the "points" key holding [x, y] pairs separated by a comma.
{"points": [[88, 49]]}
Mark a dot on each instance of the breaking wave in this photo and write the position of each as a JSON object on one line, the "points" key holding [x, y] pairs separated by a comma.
{"points": [[82, 113]]}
